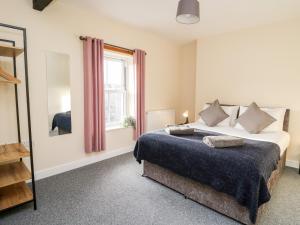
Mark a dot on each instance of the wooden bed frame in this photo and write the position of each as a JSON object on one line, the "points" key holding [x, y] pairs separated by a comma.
{"points": [[206, 195]]}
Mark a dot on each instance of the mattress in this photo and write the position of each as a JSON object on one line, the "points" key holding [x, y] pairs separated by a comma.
{"points": [[281, 138]]}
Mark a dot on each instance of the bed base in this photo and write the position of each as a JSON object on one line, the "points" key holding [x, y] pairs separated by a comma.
{"points": [[205, 195], [62, 131]]}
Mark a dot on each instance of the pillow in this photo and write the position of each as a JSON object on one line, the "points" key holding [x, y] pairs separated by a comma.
{"points": [[213, 115], [230, 121], [254, 120], [277, 113]]}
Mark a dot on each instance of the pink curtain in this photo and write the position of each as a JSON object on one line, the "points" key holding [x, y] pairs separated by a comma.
{"points": [[139, 63], [94, 107]]}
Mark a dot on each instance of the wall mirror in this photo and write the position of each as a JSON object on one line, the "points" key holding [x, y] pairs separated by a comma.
{"points": [[59, 93]]}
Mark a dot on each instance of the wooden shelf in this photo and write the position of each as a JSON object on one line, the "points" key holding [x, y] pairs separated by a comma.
{"points": [[9, 82], [8, 78], [12, 152], [13, 173], [14, 195], [10, 51]]}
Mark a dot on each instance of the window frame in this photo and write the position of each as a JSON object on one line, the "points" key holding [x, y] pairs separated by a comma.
{"points": [[125, 111]]}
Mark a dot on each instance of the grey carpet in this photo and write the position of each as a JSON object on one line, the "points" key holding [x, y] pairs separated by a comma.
{"points": [[113, 192]]}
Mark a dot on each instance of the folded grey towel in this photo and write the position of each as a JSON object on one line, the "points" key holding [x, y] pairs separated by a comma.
{"points": [[223, 141], [180, 130]]}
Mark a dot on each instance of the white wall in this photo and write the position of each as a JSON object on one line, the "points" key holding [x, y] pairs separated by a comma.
{"points": [[187, 80], [58, 29], [259, 64]]}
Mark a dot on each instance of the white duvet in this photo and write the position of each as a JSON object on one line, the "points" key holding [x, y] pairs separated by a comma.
{"points": [[281, 138]]}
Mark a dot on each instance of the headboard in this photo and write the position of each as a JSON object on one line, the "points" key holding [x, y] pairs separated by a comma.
{"points": [[286, 120]]}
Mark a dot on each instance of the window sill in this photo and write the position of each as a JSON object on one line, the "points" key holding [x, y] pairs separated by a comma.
{"points": [[117, 128]]}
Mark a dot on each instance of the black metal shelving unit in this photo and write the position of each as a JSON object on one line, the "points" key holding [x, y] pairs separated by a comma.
{"points": [[13, 43]]}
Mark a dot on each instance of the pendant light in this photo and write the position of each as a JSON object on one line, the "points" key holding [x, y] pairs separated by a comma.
{"points": [[188, 12]]}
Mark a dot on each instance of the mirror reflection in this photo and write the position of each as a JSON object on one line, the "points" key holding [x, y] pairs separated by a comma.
{"points": [[59, 93]]}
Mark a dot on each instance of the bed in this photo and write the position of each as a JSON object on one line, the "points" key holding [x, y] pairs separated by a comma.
{"points": [[213, 196]]}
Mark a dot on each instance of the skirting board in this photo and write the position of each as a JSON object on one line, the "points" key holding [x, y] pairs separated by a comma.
{"points": [[41, 174], [292, 163]]}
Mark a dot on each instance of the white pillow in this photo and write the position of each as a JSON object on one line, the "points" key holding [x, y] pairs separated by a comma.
{"points": [[232, 111], [277, 113]]}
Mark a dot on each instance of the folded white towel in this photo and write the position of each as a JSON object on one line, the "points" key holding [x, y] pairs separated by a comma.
{"points": [[223, 141], [180, 130]]}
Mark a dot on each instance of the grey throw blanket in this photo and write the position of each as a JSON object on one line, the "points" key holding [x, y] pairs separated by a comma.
{"points": [[241, 172]]}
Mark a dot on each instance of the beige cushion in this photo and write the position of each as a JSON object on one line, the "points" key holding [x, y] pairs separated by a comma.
{"points": [[254, 120], [232, 111], [276, 113], [214, 114]]}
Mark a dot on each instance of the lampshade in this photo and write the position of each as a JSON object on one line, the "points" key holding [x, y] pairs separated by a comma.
{"points": [[188, 12], [185, 114]]}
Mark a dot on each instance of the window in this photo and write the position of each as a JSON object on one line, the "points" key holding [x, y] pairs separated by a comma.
{"points": [[119, 89]]}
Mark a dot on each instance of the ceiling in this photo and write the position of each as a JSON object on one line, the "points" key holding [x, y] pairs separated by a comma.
{"points": [[216, 16]]}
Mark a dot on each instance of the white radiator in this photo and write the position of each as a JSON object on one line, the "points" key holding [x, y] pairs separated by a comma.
{"points": [[159, 119]]}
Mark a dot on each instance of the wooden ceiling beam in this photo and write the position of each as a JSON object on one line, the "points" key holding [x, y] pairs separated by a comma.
{"points": [[40, 4]]}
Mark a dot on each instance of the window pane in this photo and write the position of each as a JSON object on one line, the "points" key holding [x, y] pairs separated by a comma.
{"points": [[114, 77], [106, 107], [116, 106]]}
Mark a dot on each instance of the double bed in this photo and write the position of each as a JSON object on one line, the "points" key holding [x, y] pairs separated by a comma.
{"points": [[217, 178]]}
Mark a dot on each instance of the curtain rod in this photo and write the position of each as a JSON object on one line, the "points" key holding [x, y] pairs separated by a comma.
{"points": [[110, 45]]}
